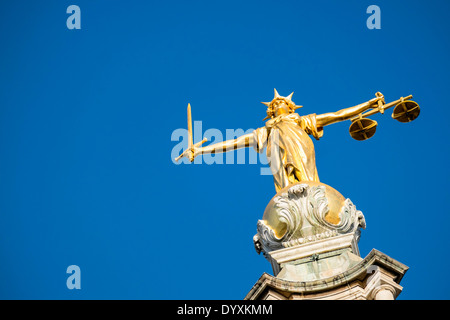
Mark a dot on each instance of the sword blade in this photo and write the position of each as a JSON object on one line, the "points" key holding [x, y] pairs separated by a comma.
{"points": [[189, 120]]}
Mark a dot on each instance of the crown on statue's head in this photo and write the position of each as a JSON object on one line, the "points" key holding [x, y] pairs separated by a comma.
{"points": [[271, 105]]}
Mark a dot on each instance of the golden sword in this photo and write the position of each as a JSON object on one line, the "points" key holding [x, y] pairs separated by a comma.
{"points": [[190, 149]]}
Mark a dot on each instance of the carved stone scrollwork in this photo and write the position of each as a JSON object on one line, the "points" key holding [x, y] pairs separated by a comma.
{"points": [[302, 212]]}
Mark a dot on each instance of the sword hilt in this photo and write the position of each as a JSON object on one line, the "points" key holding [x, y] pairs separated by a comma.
{"points": [[190, 151]]}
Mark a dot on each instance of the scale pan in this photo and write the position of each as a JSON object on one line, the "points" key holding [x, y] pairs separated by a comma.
{"points": [[363, 129], [406, 111]]}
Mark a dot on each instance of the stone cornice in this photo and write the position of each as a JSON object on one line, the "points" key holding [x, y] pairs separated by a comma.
{"points": [[358, 272]]}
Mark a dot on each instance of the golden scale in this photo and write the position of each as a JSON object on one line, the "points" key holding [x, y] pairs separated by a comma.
{"points": [[363, 128]]}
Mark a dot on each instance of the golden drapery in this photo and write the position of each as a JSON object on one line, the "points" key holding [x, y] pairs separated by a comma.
{"points": [[290, 150]]}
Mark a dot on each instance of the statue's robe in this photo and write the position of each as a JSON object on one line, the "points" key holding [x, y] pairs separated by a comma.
{"points": [[290, 150]]}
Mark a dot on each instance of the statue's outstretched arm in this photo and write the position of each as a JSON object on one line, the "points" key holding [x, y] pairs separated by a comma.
{"points": [[244, 141], [326, 119]]}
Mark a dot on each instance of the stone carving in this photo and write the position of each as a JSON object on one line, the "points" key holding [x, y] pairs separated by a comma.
{"points": [[302, 210]]}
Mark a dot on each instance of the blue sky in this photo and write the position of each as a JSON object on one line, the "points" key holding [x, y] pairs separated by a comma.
{"points": [[87, 116]]}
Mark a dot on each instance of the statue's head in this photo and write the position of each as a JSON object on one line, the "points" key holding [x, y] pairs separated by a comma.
{"points": [[280, 105]]}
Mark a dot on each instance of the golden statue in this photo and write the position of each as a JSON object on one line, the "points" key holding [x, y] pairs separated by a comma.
{"points": [[285, 135]]}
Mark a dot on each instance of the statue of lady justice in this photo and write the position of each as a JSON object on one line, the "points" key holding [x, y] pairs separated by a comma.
{"points": [[290, 150], [304, 209]]}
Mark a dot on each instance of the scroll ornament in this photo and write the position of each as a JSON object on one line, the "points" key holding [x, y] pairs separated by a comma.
{"points": [[303, 209]]}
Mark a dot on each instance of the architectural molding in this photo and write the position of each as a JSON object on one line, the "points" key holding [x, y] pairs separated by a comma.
{"points": [[364, 281]]}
